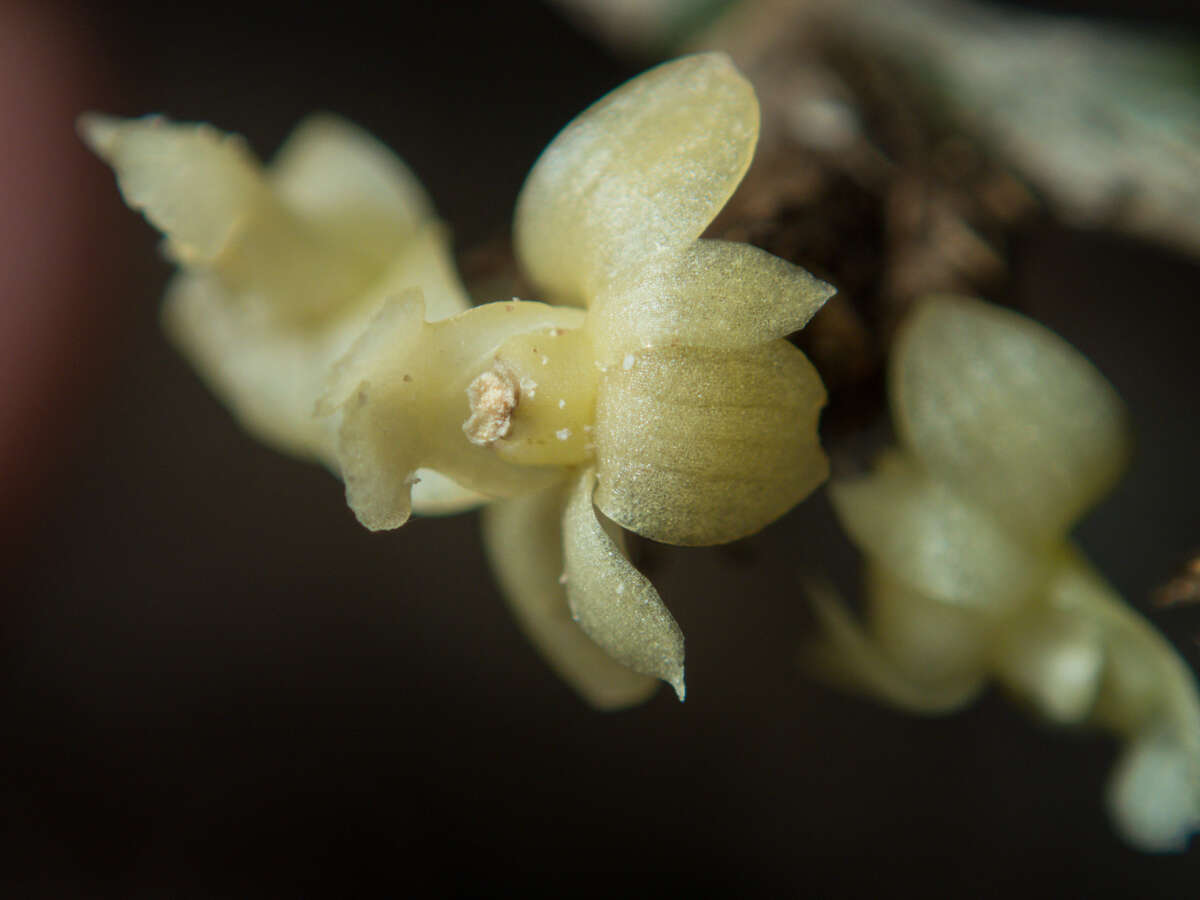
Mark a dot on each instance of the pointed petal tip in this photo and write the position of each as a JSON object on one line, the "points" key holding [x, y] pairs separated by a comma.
{"points": [[680, 688], [99, 132], [824, 290]]}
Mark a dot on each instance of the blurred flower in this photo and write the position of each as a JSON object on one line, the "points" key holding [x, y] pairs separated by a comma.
{"points": [[1007, 436], [281, 268]]}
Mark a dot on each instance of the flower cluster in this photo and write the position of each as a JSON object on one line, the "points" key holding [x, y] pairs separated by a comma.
{"points": [[657, 393], [1007, 436]]}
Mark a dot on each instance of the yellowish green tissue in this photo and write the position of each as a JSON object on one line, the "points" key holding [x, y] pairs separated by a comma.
{"points": [[1007, 436], [657, 393], [282, 267]]}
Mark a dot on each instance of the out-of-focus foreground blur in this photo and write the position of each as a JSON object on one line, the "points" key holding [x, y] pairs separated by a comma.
{"points": [[216, 683]]}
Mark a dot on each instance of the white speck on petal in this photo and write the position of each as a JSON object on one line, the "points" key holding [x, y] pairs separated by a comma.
{"points": [[563, 433], [627, 362], [562, 404]]}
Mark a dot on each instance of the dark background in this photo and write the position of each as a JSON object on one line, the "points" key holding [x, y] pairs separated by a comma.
{"points": [[214, 683]]}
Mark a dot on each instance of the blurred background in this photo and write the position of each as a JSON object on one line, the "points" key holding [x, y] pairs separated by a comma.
{"points": [[215, 683]]}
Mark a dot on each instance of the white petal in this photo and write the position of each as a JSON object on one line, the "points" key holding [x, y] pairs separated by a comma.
{"points": [[1004, 409], [524, 541], [641, 172], [611, 600]]}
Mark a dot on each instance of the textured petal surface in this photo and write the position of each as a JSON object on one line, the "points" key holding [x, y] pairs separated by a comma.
{"points": [[933, 542], [524, 541], [702, 446], [611, 600], [1005, 410], [716, 294], [402, 393], [850, 658], [641, 172]]}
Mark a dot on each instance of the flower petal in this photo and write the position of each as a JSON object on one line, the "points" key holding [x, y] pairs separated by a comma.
{"points": [[1149, 695], [1015, 418], [208, 195], [931, 541], [930, 642], [1054, 660], [850, 658], [702, 446], [716, 294], [333, 173], [1153, 797], [271, 371], [523, 537], [433, 494], [613, 602], [268, 373], [402, 393], [1147, 684], [192, 182], [642, 171], [423, 260]]}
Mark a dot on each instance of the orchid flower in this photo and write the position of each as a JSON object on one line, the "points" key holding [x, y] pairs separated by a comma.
{"points": [[653, 391], [1007, 436]]}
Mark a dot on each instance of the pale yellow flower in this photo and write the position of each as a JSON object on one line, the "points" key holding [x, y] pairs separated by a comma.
{"points": [[669, 400], [658, 394], [1007, 436]]}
